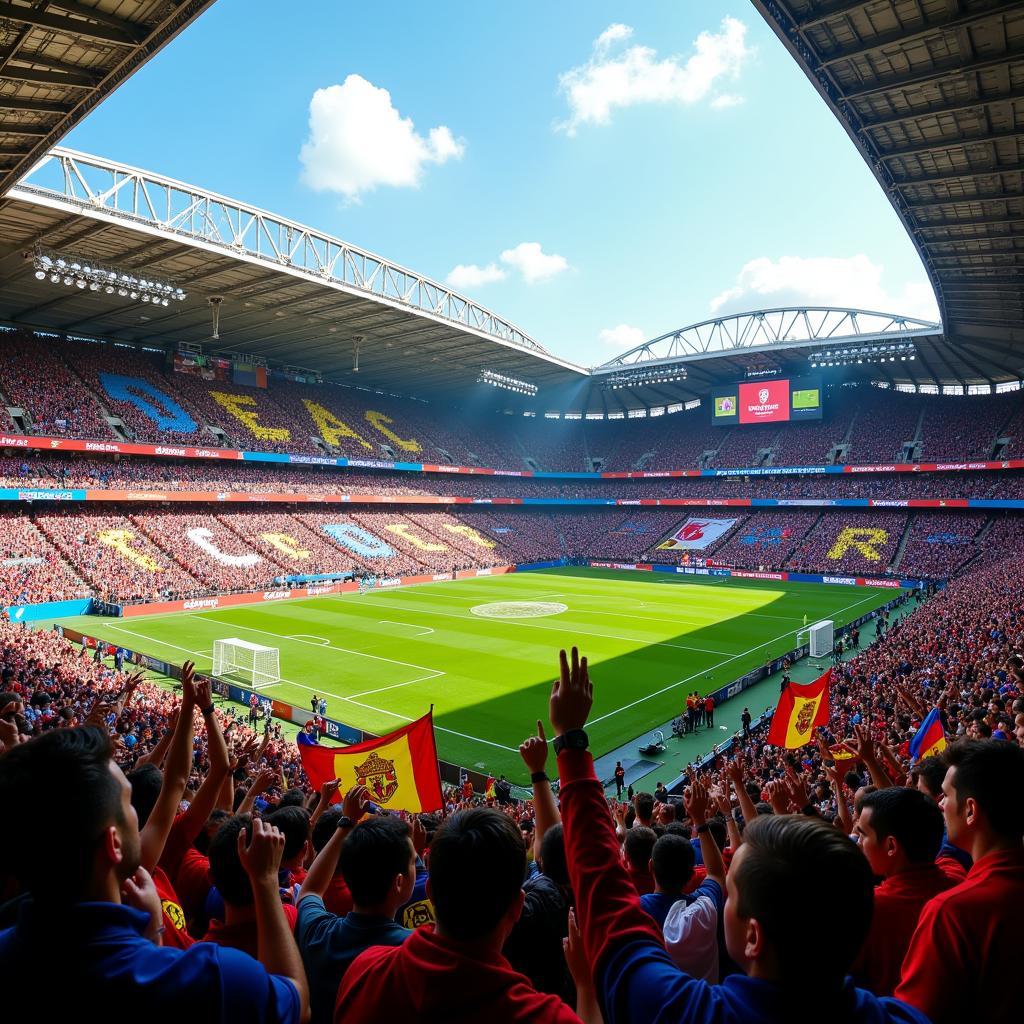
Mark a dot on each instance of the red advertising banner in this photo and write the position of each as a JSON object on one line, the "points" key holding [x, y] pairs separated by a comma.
{"points": [[765, 401], [195, 604]]}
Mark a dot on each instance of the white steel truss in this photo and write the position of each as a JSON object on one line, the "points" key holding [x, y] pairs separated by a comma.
{"points": [[790, 327], [92, 184]]}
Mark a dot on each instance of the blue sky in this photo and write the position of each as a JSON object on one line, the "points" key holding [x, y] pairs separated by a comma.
{"points": [[597, 173]]}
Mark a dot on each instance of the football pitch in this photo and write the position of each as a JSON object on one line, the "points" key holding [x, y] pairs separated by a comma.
{"points": [[484, 651]]}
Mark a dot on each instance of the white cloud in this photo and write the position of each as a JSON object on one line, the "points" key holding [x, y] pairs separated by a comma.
{"points": [[469, 275], [725, 100], [613, 34], [533, 263], [853, 282], [358, 140], [622, 337], [636, 75]]}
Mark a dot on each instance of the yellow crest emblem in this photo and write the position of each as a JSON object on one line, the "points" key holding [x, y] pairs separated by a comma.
{"points": [[378, 776], [806, 716]]}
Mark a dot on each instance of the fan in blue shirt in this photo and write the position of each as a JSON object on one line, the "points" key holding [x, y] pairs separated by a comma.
{"points": [[94, 914]]}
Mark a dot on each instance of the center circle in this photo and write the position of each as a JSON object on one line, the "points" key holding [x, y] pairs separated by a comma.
{"points": [[519, 609]]}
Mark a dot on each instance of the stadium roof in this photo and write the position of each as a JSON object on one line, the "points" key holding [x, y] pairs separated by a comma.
{"points": [[927, 91], [60, 58], [932, 94], [288, 294]]}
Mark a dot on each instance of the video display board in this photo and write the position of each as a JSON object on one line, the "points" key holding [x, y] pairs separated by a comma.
{"points": [[779, 400]]}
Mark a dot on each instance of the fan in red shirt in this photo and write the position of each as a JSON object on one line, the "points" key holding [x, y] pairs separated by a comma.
{"points": [[901, 832], [455, 970], [964, 959]]}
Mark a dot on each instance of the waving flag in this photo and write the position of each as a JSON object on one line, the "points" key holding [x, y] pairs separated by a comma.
{"points": [[399, 770], [930, 738], [801, 708]]}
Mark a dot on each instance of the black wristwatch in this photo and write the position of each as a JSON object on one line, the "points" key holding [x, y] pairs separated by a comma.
{"points": [[574, 739], [536, 777], [345, 822]]}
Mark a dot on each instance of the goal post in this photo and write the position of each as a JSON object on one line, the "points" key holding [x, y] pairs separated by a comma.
{"points": [[258, 665]]}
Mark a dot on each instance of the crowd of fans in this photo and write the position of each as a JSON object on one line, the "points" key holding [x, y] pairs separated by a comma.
{"points": [[60, 384], [192, 869], [160, 474], [155, 553]]}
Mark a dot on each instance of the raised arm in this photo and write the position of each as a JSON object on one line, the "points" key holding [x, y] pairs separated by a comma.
{"points": [[261, 858], [327, 793], [634, 976], [534, 752], [259, 785], [176, 772], [206, 799], [698, 803], [323, 868], [736, 770]]}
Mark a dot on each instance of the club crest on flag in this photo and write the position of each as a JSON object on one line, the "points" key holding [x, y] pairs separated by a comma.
{"points": [[805, 717], [378, 776]]}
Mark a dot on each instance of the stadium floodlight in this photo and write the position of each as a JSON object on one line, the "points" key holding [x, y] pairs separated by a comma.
{"points": [[86, 274], [857, 355], [647, 375], [507, 383]]}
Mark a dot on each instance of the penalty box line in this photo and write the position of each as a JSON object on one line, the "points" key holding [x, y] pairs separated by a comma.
{"points": [[714, 668], [329, 693]]}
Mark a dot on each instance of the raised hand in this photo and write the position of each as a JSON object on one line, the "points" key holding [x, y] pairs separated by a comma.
{"points": [[139, 891], [778, 796], [575, 955], [697, 802], [572, 695], [204, 696], [796, 787], [329, 790], [188, 693], [263, 781], [736, 770], [261, 855], [419, 836], [354, 804], [534, 750]]}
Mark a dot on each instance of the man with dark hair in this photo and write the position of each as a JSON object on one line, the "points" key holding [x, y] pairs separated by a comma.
{"points": [[337, 898], [455, 971], [293, 821], [637, 847], [964, 956], [900, 834], [928, 776], [232, 903], [378, 863], [784, 864], [96, 912]]}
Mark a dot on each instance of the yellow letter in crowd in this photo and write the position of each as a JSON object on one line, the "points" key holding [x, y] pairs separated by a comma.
{"points": [[470, 534], [285, 544], [378, 419], [332, 430], [121, 541], [241, 407], [866, 539], [417, 542]]}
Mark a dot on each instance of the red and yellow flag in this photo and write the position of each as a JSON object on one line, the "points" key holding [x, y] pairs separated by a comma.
{"points": [[399, 770], [801, 708]]}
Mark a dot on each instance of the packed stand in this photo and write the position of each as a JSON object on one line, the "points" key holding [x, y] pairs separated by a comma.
{"points": [[850, 542], [940, 544], [35, 379]]}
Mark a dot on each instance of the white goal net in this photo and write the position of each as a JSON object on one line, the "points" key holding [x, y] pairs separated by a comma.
{"points": [[257, 665]]}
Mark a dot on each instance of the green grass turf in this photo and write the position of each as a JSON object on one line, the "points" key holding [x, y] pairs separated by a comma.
{"points": [[383, 657]]}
